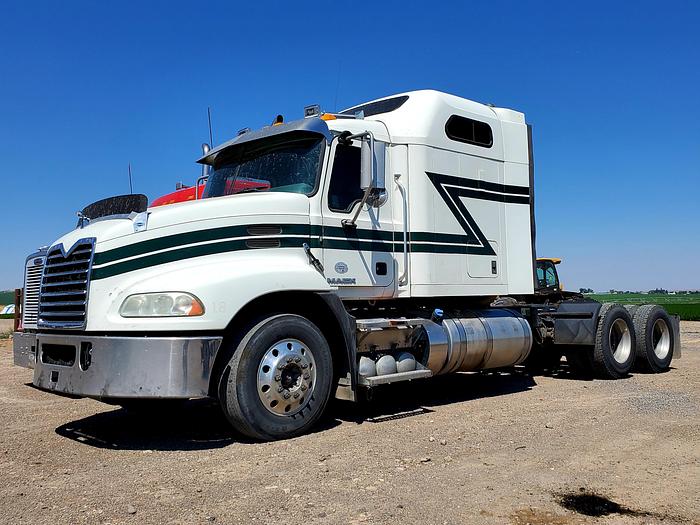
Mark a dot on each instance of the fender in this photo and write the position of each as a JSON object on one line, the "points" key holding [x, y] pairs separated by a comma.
{"points": [[348, 327]]}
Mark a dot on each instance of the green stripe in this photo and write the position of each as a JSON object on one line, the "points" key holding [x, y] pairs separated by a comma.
{"points": [[353, 239], [441, 237], [185, 253], [354, 244], [191, 237], [353, 233], [231, 232], [445, 248], [286, 242]]}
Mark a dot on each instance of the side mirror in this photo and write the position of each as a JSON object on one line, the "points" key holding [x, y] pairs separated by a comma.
{"points": [[366, 163], [372, 164]]}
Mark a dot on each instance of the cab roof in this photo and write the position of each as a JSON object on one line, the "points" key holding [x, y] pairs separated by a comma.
{"points": [[413, 117]]}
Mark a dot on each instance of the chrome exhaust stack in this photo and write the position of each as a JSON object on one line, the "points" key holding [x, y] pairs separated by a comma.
{"points": [[206, 170]]}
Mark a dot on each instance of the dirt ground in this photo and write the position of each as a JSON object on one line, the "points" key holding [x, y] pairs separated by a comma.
{"points": [[6, 325], [467, 448]]}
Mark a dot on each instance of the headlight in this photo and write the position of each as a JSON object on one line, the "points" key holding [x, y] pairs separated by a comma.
{"points": [[163, 304]]}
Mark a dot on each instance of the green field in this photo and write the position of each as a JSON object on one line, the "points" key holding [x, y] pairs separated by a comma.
{"points": [[687, 306], [7, 297]]}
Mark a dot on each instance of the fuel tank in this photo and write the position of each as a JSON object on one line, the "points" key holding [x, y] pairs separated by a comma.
{"points": [[476, 340]]}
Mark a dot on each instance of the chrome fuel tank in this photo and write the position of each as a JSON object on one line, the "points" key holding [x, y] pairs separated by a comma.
{"points": [[477, 340]]}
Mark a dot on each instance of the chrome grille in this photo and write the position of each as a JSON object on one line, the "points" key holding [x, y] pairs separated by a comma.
{"points": [[32, 283], [64, 286]]}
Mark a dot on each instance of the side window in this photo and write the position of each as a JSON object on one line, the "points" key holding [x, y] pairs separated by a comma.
{"points": [[344, 189], [540, 277], [469, 131], [546, 274]]}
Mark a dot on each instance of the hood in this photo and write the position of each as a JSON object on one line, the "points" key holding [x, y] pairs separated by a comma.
{"points": [[193, 215]]}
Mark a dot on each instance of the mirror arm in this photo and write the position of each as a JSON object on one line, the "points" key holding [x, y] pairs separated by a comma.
{"points": [[343, 138], [347, 139], [350, 223], [200, 180]]}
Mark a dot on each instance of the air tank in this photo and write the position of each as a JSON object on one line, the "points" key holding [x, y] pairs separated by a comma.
{"points": [[476, 340]]}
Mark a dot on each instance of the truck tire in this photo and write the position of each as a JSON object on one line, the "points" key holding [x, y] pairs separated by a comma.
{"points": [[278, 380], [613, 353], [632, 309], [654, 332]]}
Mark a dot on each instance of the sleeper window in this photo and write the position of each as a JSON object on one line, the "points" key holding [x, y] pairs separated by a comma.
{"points": [[469, 131]]}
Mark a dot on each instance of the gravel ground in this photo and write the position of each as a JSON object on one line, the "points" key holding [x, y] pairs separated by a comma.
{"points": [[467, 448]]}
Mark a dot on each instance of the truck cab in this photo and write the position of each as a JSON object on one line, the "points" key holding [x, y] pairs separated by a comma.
{"points": [[547, 275]]}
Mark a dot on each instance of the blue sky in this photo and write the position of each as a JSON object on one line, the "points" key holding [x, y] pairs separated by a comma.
{"points": [[613, 93]]}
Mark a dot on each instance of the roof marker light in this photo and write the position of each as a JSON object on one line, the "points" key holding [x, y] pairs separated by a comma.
{"points": [[312, 111]]}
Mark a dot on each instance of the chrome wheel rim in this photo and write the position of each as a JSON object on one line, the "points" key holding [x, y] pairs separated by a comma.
{"points": [[620, 341], [661, 339], [286, 377]]}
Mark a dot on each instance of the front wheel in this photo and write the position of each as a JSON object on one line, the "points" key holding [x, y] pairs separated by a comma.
{"points": [[278, 380]]}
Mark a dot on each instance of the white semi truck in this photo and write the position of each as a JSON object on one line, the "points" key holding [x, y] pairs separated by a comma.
{"points": [[390, 242]]}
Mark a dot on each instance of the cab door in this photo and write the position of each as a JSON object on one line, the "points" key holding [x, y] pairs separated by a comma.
{"points": [[358, 259]]}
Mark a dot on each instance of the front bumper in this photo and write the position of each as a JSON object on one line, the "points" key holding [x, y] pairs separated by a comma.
{"points": [[125, 367], [24, 349]]}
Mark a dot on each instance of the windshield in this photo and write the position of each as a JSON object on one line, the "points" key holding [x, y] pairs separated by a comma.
{"points": [[288, 163]]}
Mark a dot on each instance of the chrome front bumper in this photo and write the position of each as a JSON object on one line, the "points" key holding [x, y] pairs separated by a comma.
{"points": [[125, 367], [24, 349]]}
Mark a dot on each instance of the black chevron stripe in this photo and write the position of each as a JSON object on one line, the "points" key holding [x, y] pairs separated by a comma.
{"points": [[480, 184], [452, 188]]}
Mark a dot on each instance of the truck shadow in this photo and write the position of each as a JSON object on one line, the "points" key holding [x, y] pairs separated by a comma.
{"points": [[200, 424], [197, 424]]}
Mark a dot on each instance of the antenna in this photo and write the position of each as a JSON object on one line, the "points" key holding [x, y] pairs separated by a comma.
{"points": [[131, 187], [211, 135]]}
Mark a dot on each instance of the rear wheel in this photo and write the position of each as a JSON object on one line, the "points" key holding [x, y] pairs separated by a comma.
{"points": [[632, 309], [654, 332], [613, 353], [278, 380]]}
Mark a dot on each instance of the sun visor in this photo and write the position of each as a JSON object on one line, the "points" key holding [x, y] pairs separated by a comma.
{"points": [[119, 205], [309, 125]]}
